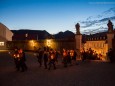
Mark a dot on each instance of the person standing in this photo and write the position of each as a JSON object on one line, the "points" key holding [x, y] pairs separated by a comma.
{"points": [[111, 54], [75, 57], [69, 59], [16, 59], [45, 57], [22, 60], [84, 55], [39, 56], [51, 59], [64, 58]]}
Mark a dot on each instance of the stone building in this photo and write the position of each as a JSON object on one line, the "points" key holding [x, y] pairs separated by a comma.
{"points": [[99, 43], [5, 35]]}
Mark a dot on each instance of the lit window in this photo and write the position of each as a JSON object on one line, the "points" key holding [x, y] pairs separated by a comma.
{"points": [[1, 43]]}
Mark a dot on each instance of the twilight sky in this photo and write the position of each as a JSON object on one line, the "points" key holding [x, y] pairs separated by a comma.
{"points": [[50, 15]]}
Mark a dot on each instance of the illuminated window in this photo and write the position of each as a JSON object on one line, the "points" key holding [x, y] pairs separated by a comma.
{"points": [[1, 43]]}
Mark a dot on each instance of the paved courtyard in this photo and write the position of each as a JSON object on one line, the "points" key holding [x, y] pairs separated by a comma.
{"points": [[89, 73]]}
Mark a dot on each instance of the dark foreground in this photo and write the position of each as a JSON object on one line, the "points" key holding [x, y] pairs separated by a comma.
{"points": [[89, 73]]}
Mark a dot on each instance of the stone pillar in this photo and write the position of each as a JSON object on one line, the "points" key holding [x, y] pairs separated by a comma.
{"points": [[110, 37], [78, 38], [110, 34]]}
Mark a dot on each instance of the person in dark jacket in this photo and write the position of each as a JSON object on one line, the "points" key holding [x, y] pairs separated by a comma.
{"points": [[16, 59], [64, 58], [45, 57], [69, 57], [52, 59], [84, 55], [39, 56], [21, 60], [111, 54]]}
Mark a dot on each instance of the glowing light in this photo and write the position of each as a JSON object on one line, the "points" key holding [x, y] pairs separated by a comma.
{"points": [[52, 56], [32, 43], [1, 43], [48, 42]]}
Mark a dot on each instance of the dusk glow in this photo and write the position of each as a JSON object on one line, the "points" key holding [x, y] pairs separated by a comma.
{"points": [[50, 15]]}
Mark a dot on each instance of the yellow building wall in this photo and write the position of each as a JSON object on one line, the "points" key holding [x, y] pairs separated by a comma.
{"points": [[101, 47]]}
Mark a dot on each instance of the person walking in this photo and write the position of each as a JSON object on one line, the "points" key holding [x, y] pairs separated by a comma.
{"points": [[16, 59], [45, 57], [39, 56], [52, 59], [111, 55], [22, 60], [64, 58]]}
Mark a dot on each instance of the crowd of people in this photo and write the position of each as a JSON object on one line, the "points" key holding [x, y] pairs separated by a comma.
{"points": [[49, 57], [90, 54], [45, 56], [93, 55]]}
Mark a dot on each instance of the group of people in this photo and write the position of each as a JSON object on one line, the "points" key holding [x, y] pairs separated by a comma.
{"points": [[47, 57], [90, 54], [50, 57], [68, 57], [19, 59]]}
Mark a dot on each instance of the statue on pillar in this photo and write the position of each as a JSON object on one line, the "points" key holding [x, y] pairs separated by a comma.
{"points": [[77, 26], [110, 26]]}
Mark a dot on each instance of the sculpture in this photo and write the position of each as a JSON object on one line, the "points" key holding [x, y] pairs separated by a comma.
{"points": [[110, 26], [77, 26]]}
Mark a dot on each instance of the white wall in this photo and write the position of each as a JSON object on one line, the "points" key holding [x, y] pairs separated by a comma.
{"points": [[2, 31], [5, 35], [5, 32], [9, 35]]}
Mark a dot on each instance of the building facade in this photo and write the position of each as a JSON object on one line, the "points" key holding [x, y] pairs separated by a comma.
{"points": [[98, 43], [5, 35]]}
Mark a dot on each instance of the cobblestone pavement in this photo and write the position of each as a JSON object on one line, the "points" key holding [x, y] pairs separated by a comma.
{"points": [[89, 73]]}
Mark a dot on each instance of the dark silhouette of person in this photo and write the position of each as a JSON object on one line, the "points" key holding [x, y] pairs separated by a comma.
{"points": [[16, 59], [45, 57], [74, 57], [52, 59], [65, 58], [22, 60], [84, 55], [69, 58], [39, 56], [111, 54], [56, 55]]}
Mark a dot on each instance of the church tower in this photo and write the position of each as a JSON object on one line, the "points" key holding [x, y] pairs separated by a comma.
{"points": [[110, 34]]}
